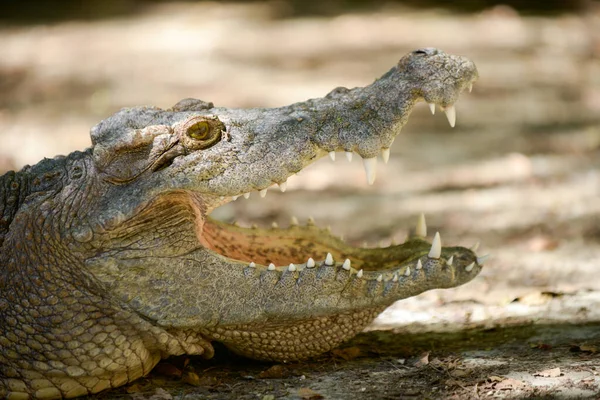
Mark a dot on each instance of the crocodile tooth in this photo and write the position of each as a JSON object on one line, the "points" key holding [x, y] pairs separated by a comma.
{"points": [[469, 267], [419, 265], [379, 278], [234, 197], [274, 225], [310, 221], [292, 268], [263, 193], [247, 195], [431, 108], [393, 242], [407, 272], [310, 263], [475, 247], [346, 265], [332, 155], [395, 278], [421, 229], [271, 267], [370, 165], [481, 260], [470, 87], [329, 259], [254, 226], [359, 274], [252, 265], [283, 186], [385, 154], [436, 247], [294, 221], [450, 261], [451, 115], [349, 156]]}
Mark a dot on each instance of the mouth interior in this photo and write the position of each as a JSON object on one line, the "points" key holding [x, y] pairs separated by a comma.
{"points": [[296, 244]]}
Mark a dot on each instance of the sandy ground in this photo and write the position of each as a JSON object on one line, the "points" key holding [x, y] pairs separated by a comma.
{"points": [[520, 173]]}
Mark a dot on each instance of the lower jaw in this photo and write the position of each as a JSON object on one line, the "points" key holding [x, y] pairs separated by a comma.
{"points": [[292, 340]]}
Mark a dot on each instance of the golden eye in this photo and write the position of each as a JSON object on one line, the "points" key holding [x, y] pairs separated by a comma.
{"points": [[199, 130]]}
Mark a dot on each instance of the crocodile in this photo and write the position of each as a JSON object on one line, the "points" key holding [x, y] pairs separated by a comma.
{"points": [[110, 261]]}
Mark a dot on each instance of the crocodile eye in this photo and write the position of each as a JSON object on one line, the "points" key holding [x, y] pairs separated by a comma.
{"points": [[199, 131], [420, 52]]}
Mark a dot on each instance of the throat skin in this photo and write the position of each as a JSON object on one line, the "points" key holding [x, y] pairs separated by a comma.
{"points": [[109, 260]]}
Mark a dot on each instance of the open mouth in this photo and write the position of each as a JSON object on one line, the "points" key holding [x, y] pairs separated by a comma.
{"points": [[301, 248]]}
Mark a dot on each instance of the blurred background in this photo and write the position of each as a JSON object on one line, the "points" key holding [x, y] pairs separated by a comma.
{"points": [[520, 172]]}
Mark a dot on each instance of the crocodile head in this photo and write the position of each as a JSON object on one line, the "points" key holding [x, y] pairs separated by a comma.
{"points": [[128, 223]]}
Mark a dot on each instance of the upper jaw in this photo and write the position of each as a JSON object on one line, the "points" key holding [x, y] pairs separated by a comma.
{"points": [[263, 147]]}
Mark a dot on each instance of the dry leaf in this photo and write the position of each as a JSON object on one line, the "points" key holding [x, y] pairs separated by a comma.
{"points": [[275, 372], [423, 360], [348, 353], [309, 394], [159, 394], [585, 348], [588, 348], [459, 373], [167, 369], [509, 384], [541, 346], [549, 373]]}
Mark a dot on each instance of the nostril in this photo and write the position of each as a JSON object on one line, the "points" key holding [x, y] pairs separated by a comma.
{"points": [[426, 51]]}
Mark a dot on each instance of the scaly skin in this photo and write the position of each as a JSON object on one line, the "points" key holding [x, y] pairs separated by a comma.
{"points": [[109, 261]]}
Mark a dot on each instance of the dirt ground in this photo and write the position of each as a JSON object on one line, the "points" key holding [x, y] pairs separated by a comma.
{"points": [[520, 174]]}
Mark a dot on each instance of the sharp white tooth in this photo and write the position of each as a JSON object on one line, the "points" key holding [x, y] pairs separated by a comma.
{"points": [[431, 108], [252, 265], [370, 165], [294, 221], [234, 197], [263, 193], [385, 154], [451, 115], [346, 265], [271, 267], [310, 263], [475, 247], [450, 261], [359, 274], [332, 155], [254, 226], [274, 225], [421, 229], [395, 278], [283, 186], [329, 259], [379, 278], [311, 221], [470, 87], [469, 267], [407, 272], [247, 195], [393, 242], [292, 268], [436, 247], [481, 260], [419, 265], [349, 156]]}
